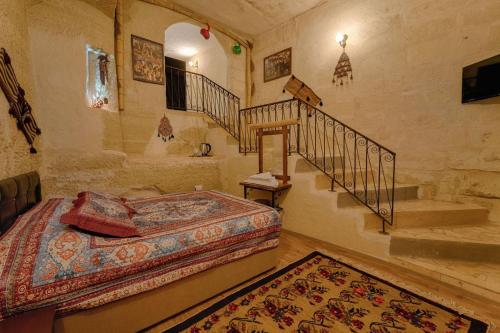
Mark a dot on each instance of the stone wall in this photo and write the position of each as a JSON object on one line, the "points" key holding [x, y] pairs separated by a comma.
{"points": [[86, 148], [145, 103], [407, 58], [14, 150]]}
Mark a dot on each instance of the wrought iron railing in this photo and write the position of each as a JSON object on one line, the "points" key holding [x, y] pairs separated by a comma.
{"points": [[195, 92], [287, 109], [358, 164]]}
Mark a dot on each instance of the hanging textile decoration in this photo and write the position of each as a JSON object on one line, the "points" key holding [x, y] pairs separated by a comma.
{"points": [[236, 48], [103, 68], [165, 130], [205, 32], [343, 70], [19, 107]]}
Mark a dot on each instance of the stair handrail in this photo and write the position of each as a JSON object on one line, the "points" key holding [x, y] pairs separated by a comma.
{"points": [[207, 96], [355, 152], [319, 138]]}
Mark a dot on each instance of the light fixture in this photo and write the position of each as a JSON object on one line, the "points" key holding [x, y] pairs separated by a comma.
{"points": [[343, 70], [187, 51], [193, 64], [341, 38]]}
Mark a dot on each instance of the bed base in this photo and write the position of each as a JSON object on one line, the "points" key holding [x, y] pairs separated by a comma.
{"points": [[19, 194], [141, 311]]}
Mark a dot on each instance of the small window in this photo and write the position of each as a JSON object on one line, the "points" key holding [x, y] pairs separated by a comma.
{"points": [[101, 80]]}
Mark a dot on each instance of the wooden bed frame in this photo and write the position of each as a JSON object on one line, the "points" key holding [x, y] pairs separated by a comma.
{"points": [[134, 313]]}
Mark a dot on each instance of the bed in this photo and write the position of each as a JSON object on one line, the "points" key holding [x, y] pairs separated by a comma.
{"points": [[193, 246]]}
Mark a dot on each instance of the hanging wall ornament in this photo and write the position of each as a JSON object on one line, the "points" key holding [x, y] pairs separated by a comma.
{"points": [[205, 32], [165, 130], [236, 48], [343, 70], [19, 107]]}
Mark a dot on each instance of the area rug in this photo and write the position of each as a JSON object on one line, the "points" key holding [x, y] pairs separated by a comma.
{"points": [[319, 294]]}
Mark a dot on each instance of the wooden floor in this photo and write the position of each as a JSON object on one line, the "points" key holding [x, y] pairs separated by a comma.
{"points": [[294, 246]]}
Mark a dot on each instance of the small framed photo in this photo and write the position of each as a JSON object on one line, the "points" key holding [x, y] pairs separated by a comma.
{"points": [[278, 65]]}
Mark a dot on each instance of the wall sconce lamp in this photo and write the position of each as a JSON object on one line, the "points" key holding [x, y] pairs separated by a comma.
{"points": [[343, 70], [193, 64], [341, 39]]}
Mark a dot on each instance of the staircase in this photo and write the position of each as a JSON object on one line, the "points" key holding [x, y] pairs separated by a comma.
{"points": [[450, 241], [352, 162], [355, 163]]}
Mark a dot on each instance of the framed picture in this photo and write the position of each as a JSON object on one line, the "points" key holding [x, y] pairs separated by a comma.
{"points": [[147, 60], [278, 65]]}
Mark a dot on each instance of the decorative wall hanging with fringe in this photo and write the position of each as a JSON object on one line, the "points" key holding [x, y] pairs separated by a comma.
{"points": [[302, 91], [19, 107], [343, 70], [165, 130]]}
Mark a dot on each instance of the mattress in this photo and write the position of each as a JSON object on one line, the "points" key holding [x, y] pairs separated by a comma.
{"points": [[43, 262]]}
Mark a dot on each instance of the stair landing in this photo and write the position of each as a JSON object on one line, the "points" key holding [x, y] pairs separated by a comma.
{"points": [[479, 243], [477, 277], [431, 213]]}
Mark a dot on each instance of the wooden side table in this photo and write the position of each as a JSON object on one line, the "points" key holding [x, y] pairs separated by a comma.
{"points": [[275, 191]]}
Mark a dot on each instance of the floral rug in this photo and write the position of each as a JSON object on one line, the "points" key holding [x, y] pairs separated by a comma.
{"points": [[319, 294]]}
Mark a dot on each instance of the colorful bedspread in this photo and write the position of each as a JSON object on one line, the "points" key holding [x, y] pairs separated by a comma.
{"points": [[44, 262]]}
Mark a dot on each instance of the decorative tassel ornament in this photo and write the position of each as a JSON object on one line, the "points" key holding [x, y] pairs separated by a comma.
{"points": [[342, 70], [165, 130]]}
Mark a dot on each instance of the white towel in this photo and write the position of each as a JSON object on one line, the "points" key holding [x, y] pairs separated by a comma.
{"points": [[265, 178], [273, 182], [262, 176]]}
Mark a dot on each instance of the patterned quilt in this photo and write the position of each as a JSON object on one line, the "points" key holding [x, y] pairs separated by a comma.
{"points": [[44, 262]]}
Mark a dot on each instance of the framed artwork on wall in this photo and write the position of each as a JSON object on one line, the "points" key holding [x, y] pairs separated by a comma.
{"points": [[147, 60], [278, 65]]}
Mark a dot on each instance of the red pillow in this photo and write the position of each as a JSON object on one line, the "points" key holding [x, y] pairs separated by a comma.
{"points": [[101, 213], [104, 196]]}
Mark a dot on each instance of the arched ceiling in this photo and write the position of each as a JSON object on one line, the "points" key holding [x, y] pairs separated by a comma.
{"points": [[251, 17], [105, 6], [183, 37]]}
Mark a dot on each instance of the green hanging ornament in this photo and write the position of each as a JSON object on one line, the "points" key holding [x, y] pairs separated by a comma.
{"points": [[236, 48]]}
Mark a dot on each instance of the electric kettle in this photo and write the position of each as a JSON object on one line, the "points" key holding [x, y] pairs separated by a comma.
{"points": [[205, 149]]}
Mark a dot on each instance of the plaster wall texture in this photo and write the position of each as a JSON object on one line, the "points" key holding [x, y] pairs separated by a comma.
{"points": [[58, 44], [84, 148], [307, 210], [115, 172], [407, 58], [145, 103], [14, 150], [212, 63]]}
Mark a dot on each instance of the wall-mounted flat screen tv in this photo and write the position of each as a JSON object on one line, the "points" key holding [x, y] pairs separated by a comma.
{"points": [[481, 80]]}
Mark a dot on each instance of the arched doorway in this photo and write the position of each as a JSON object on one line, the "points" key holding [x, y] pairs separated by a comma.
{"points": [[187, 50]]}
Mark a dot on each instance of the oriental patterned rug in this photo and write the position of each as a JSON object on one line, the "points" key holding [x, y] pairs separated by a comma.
{"points": [[319, 294]]}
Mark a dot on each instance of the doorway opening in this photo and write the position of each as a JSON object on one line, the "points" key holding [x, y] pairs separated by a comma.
{"points": [[189, 55], [175, 75]]}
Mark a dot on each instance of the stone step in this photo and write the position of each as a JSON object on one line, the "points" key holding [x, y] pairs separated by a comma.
{"points": [[476, 277], [479, 243], [323, 182], [345, 199], [304, 165], [429, 213], [401, 192]]}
